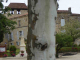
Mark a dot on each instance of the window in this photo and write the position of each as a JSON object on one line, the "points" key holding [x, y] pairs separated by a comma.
{"points": [[11, 36], [18, 12], [19, 22], [12, 12], [17, 43], [6, 36], [12, 44], [20, 33], [62, 22]]}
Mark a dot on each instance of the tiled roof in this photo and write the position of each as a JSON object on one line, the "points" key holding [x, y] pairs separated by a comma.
{"points": [[62, 11], [18, 6], [19, 16], [73, 14]]}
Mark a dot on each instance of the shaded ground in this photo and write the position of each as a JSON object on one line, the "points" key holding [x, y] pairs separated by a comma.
{"points": [[67, 53], [70, 57]]}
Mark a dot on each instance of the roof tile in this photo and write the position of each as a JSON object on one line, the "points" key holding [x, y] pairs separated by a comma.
{"points": [[18, 6]]}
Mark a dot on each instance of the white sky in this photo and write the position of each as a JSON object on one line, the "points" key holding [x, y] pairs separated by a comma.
{"points": [[74, 4], [63, 4]]}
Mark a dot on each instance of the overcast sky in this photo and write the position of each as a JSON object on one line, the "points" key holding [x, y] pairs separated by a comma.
{"points": [[15, 1], [74, 4], [63, 4]]}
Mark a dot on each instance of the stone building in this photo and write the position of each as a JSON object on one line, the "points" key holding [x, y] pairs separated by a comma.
{"points": [[17, 9], [63, 16], [20, 15]]}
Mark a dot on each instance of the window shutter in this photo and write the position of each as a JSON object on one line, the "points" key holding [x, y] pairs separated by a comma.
{"points": [[17, 12], [11, 43], [10, 12], [17, 35], [20, 12], [18, 43], [12, 35], [22, 33], [62, 22], [13, 12]]}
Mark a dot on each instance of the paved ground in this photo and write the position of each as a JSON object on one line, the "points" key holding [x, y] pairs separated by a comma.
{"points": [[18, 57], [72, 57], [14, 58]]}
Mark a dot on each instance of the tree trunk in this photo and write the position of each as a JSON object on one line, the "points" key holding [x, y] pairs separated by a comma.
{"points": [[41, 29], [1, 36]]}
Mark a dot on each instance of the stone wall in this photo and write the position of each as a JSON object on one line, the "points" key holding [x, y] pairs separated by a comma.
{"points": [[67, 15], [23, 27]]}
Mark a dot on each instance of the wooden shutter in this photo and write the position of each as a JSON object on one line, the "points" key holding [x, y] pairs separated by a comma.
{"points": [[12, 35], [22, 33], [62, 22], [17, 35]]}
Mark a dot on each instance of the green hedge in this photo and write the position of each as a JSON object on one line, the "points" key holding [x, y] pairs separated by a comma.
{"points": [[69, 49], [12, 48]]}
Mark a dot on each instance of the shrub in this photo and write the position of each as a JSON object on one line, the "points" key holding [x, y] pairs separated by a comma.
{"points": [[12, 48], [5, 55], [13, 54], [69, 49], [79, 45], [75, 45]]}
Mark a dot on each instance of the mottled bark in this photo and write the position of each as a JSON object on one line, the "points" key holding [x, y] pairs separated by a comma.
{"points": [[41, 29]]}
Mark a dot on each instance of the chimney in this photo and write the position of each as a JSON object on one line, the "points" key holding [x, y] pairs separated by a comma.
{"points": [[69, 9]]}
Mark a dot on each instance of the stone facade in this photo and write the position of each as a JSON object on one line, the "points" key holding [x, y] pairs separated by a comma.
{"points": [[21, 27], [66, 15], [61, 14]]}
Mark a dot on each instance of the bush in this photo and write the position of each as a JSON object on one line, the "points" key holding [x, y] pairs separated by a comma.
{"points": [[79, 45], [75, 45], [12, 48], [69, 49]]}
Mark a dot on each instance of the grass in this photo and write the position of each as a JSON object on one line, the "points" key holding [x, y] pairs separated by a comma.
{"points": [[17, 50]]}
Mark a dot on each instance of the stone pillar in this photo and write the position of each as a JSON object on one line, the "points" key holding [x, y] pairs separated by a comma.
{"points": [[23, 46], [41, 29]]}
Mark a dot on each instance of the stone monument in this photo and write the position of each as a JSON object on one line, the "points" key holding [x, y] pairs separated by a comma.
{"points": [[22, 48]]}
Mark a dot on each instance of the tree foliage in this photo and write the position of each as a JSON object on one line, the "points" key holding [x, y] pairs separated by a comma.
{"points": [[62, 40], [68, 34], [72, 28], [5, 24]]}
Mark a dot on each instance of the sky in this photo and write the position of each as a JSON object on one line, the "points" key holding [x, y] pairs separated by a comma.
{"points": [[15, 1], [63, 4], [74, 4]]}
